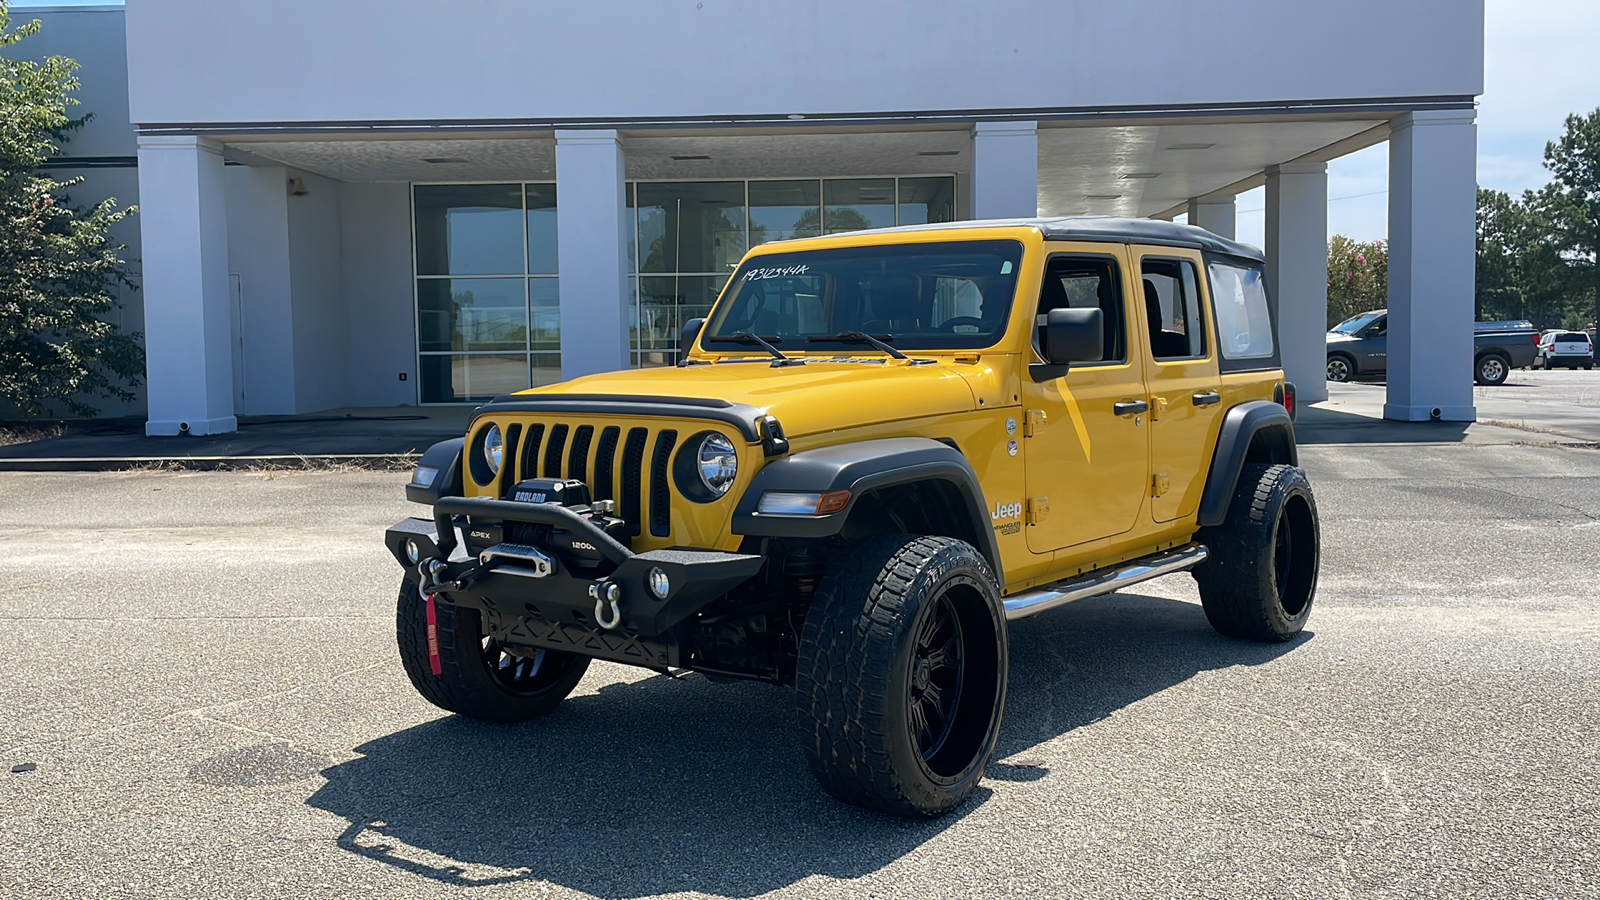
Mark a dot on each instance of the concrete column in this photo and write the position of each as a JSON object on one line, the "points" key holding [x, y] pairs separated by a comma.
{"points": [[592, 229], [1214, 214], [1005, 170], [1297, 272], [184, 226], [1432, 240]]}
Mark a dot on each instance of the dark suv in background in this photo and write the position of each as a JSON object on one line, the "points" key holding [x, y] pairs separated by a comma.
{"points": [[1358, 348]]}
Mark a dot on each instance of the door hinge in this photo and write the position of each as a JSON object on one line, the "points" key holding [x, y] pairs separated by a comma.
{"points": [[1158, 408], [1160, 483], [1036, 421], [1038, 509]]}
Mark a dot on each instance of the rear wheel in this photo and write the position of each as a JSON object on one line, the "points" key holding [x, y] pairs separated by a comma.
{"points": [[902, 674], [1493, 369], [478, 678], [1261, 576]]}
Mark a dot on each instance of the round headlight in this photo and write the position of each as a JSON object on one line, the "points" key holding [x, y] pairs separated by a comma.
{"points": [[718, 463], [494, 448]]}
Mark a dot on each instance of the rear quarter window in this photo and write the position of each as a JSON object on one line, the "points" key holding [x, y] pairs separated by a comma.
{"points": [[1244, 322]]}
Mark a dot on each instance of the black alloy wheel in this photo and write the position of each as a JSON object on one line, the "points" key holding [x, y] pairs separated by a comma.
{"points": [[1260, 579], [901, 677]]}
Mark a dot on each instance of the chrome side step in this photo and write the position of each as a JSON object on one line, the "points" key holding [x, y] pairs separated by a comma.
{"points": [[1094, 584]]}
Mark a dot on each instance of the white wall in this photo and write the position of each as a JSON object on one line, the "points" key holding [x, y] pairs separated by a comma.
{"points": [[199, 61], [96, 40], [314, 279], [380, 322], [258, 252]]}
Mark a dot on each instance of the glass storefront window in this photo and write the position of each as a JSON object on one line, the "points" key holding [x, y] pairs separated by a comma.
{"points": [[469, 229], [782, 210], [690, 226], [463, 378], [542, 247], [488, 299], [544, 305], [472, 314], [856, 204], [487, 263], [926, 200], [665, 304]]}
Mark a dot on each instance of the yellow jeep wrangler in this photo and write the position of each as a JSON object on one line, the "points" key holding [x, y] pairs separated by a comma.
{"points": [[876, 451]]}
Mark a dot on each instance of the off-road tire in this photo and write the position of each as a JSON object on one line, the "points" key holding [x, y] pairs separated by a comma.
{"points": [[1341, 368], [1492, 369], [863, 677], [469, 683], [1261, 576]]}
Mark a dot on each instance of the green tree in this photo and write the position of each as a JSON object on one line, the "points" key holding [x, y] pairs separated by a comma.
{"points": [[1358, 277], [1571, 201], [60, 271], [1499, 293]]}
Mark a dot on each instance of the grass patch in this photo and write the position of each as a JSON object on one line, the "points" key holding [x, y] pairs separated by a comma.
{"points": [[27, 434]]}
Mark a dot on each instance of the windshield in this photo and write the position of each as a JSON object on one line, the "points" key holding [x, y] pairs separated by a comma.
{"points": [[1355, 323], [953, 295]]}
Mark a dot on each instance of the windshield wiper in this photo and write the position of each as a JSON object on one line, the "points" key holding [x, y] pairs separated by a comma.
{"points": [[857, 337], [745, 337]]}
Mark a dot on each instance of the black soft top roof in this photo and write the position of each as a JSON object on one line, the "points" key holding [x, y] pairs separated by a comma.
{"points": [[1109, 228]]}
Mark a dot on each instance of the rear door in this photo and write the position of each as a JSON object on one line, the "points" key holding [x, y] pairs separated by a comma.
{"points": [[1086, 431], [1185, 384]]}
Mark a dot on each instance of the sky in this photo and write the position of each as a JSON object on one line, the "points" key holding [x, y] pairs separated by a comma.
{"points": [[1539, 66]]}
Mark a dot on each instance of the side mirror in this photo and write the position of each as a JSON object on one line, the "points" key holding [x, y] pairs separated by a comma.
{"points": [[686, 337], [1074, 335]]}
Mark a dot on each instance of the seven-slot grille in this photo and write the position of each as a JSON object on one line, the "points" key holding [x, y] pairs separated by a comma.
{"points": [[610, 459]]}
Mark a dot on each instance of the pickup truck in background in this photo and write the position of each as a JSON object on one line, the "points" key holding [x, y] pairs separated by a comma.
{"points": [[1358, 348]]}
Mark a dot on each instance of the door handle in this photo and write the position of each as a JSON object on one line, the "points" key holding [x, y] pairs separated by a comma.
{"points": [[1130, 407], [1207, 398]]}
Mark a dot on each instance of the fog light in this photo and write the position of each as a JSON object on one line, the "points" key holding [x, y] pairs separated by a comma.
{"points": [[413, 552], [659, 583]]}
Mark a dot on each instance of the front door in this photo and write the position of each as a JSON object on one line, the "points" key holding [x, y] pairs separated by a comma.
{"points": [[1086, 433], [1185, 384]]}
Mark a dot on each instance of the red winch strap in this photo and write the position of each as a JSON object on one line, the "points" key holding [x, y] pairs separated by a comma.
{"points": [[434, 662]]}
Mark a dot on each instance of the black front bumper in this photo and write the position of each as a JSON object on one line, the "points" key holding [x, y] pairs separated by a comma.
{"points": [[567, 595]]}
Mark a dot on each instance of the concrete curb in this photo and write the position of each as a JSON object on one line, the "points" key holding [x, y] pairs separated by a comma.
{"points": [[287, 462]]}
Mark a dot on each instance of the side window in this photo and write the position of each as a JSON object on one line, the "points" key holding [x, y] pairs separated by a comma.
{"points": [[1085, 282], [1172, 309], [1244, 325]]}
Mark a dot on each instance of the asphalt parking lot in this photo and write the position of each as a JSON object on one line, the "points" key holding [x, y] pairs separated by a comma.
{"points": [[199, 671]]}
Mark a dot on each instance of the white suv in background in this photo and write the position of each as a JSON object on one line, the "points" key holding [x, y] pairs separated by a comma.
{"points": [[1565, 348]]}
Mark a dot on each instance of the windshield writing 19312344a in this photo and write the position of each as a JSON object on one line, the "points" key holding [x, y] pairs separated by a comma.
{"points": [[758, 274]]}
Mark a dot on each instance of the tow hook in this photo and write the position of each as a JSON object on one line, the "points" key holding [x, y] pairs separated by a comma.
{"points": [[606, 594]]}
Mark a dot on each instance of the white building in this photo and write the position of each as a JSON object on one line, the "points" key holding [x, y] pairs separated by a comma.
{"points": [[390, 202]]}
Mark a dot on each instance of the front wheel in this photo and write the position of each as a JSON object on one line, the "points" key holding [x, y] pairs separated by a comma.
{"points": [[902, 674], [1492, 370], [478, 678], [1261, 576], [1339, 369]]}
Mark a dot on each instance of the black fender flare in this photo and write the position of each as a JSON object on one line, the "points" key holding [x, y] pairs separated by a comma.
{"points": [[445, 459], [861, 467], [1239, 428]]}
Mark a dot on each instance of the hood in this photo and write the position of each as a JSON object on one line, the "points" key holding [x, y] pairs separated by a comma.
{"points": [[816, 397], [1338, 337]]}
